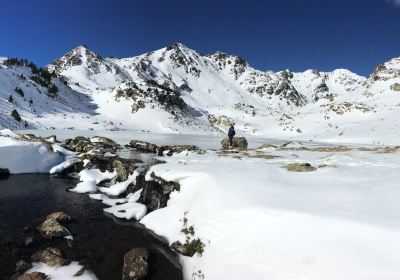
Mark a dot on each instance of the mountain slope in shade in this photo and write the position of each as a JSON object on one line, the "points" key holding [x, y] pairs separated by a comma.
{"points": [[177, 89]]}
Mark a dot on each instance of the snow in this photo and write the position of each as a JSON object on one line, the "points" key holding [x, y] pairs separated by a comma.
{"points": [[120, 187], [64, 272], [224, 89], [90, 178], [106, 200], [128, 210], [26, 156], [260, 221], [96, 175], [59, 168]]}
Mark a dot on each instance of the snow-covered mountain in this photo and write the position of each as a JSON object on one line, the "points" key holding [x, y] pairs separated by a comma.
{"points": [[176, 89]]}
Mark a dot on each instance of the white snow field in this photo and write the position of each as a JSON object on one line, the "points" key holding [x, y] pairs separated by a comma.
{"points": [[260, 221]]}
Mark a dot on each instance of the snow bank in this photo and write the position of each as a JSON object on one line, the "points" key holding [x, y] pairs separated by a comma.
{"points": [[128, 210], [90, 178], [24, 156], [260, 221], [120, 187]]}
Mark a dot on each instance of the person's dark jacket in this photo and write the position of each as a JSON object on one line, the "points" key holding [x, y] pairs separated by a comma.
{"points": [[231, 132]]}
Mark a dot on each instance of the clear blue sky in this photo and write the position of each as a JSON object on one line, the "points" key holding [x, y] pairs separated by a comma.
{"points": [[270, 35]]}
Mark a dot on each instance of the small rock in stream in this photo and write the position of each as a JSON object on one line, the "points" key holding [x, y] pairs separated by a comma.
{"points": [[33, 276], [51, 228], [135, 264], [22, 266], [51, 256]]}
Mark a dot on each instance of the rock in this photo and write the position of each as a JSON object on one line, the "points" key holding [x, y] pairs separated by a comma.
{"points": [[104, 140], [182, 148], [59, 216], [300, 167], [135, 264], [51, 256], [144, 147], [155, 193], [124, 167], [266, 146], [22, 266], [28, 241], [239, 143], [160, 151], [33, 276], [4, 173], [395, 87], [79, 144], [51, 228]]}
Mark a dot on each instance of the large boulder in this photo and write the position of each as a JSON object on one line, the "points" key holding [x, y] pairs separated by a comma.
{"points": [[135, 264], [33, 276], [143, 146], [51, 256], [4, 173], [239, 143]]}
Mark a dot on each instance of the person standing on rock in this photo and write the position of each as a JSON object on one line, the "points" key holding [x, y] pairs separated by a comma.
{"points": [[231, 133]]}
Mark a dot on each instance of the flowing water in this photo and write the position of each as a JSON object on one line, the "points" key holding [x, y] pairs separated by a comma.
{"points": [[99, 241]]}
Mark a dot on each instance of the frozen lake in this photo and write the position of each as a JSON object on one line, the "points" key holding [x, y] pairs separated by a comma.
{"points": [[203, 141]]}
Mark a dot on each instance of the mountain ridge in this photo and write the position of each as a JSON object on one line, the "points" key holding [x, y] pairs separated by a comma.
{"points": [[177, 89]]}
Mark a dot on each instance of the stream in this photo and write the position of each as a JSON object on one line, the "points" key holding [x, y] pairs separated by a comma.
{"points": [[100, 241]]}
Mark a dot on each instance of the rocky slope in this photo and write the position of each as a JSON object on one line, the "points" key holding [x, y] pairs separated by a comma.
{"points": [[177, 89]]}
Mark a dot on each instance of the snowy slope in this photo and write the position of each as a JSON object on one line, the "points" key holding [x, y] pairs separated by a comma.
{"points": [[28, 92], [177, 89]]}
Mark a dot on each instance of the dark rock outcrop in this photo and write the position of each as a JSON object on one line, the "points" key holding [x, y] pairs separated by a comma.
{"points": [[155, 194], [135, 264], [4, 173]]}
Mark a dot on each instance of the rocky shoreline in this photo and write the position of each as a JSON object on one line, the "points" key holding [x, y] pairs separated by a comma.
{"points": [[50, 242]]}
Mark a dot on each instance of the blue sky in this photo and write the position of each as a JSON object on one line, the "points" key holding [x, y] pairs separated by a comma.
{"points": [[270, 35]]}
